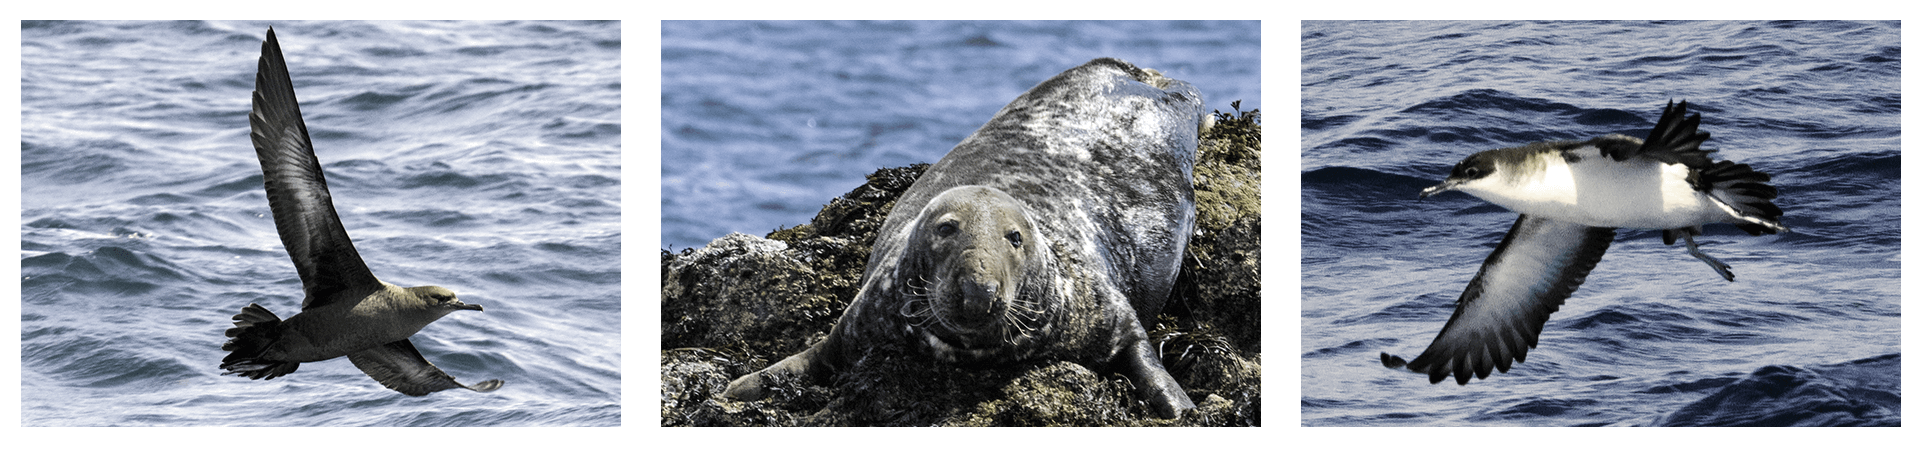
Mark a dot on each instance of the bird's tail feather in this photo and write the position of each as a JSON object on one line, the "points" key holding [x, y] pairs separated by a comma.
{"points": [[254, 330], [1746, 194]]}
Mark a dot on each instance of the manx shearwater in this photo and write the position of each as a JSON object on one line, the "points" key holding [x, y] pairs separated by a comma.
{"points": [[347, 312], [1571, 195]]}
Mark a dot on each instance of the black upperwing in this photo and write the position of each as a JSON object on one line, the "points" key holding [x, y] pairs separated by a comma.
{"points": [[1533, 271], [296, 189], [1675, 139]]}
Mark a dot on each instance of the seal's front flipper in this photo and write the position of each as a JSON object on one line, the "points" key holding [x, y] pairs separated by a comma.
{"points": [[754, 386], [1155, 386], [747, 388]]}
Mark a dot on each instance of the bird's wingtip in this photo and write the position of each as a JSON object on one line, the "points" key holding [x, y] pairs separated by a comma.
{"points": [[1392, 362], [486, 386]]}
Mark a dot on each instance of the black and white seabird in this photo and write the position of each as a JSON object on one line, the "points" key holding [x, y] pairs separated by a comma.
{"points": [[347, 311], [1571, 195]]}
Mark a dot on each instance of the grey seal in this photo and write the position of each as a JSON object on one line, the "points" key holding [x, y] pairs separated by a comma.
{"points": [[347, 312], [1055, 231]]}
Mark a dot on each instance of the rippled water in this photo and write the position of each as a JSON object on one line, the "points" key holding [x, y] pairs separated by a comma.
{"points": [[485, 157], [764, 122], [1809, 335], [479, 156]]}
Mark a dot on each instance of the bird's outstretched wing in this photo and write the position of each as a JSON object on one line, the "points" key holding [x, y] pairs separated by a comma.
{"points": [[399, 366], [1533, 271], [296, 190]]}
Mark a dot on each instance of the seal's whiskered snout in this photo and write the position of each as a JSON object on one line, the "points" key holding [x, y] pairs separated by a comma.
{"points": [[978, 297], [967, 303]]}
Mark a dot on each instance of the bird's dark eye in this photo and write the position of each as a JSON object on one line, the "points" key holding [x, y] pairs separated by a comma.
{"points": [[1471, 172], [1014, 237], [947, 229]]}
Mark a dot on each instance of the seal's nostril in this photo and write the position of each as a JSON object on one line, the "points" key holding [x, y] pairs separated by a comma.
{"points": [[979, 296]]}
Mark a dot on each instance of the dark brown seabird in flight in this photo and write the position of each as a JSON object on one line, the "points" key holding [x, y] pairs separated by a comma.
{"points": [[347, 311]]}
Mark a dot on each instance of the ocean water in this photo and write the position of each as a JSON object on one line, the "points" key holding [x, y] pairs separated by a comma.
{"points": [[1808, 335], [479, 156], [762, 123]]}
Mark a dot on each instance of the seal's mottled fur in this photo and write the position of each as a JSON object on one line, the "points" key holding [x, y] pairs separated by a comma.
{"points": [[1055, 231]]}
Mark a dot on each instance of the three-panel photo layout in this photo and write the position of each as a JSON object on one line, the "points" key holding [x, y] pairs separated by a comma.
{"points": [[957, 223]]}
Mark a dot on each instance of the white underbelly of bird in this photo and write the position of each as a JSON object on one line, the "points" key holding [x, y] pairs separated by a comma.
{"points": [[1597, 191], [1571, 195]]}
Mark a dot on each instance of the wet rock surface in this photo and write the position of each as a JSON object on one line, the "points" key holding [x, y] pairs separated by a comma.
{"points": [[744, 302]]}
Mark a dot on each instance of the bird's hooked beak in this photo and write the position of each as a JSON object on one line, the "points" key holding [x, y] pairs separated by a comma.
{"points": [[1438, 188], [457, 304]]}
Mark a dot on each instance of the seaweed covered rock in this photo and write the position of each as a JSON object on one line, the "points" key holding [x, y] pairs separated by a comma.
{"points": [[1220, 279], [742, 302]]}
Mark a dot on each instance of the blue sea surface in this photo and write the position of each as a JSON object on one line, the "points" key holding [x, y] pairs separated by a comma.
{"points": [[1808, 335], [762, 123], [479, 156]]}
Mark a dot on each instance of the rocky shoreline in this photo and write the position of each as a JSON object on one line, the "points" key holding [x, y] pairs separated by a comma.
{"points": [[743, 302]]}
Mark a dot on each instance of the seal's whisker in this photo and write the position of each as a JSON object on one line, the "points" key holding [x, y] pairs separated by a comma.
{"points": [[1022, 318], [941, 319], [1026, 309], [919, 301], [917, 291], [917, 309]]}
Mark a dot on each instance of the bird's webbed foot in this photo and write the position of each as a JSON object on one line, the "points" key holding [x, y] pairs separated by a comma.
{"points": [[1725, 270]]}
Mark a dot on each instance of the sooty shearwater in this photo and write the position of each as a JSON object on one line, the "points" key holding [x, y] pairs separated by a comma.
{"points": [[347, 312]]}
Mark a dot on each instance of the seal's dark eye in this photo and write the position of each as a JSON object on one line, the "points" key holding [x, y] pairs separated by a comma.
{"points": [[1014, 237], [947, 229]]}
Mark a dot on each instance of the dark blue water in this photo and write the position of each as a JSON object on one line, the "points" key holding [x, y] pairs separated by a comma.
{"points": [[483, 157], [764, 122], [1809, 335]]}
